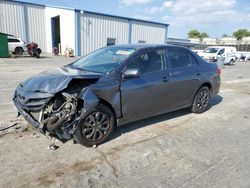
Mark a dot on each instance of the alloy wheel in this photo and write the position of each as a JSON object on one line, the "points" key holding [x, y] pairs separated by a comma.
{"points": [[95, 126], [202, 99]]}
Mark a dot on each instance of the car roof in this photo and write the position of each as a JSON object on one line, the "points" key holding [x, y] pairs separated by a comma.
{"points": [[221, 47], [13, 37], [144, 46]]}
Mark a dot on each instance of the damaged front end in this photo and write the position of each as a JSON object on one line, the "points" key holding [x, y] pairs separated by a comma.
{"points": [[55, 115], [61, 115]]}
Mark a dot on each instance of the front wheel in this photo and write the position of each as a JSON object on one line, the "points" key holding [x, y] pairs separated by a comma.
{"points": [[19, 51], [201, 100], [95, 127]]}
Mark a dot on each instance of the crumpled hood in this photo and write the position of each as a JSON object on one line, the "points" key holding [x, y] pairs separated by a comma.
{"points": [[55, 80]]}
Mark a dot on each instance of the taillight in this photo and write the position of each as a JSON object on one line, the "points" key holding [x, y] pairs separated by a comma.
{"points": [[219, 71]]}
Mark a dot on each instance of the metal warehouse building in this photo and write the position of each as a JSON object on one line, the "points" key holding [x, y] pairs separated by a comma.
{"points": [[83, 31]]}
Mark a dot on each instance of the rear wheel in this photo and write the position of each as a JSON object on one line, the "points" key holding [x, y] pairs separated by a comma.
{"points": [[37, 55], [95, 127], [19, 51], [231, 62], [201, 100]]}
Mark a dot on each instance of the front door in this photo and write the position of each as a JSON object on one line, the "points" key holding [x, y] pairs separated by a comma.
{"points": [[149, 92]]}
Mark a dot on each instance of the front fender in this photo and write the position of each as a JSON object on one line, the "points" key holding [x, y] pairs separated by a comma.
{"points": [[89, 98]]}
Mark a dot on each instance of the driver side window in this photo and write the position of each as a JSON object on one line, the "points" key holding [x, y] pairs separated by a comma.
{"points": [[151, 61]]}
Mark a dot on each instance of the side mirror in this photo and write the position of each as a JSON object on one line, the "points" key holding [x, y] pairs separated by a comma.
{"points": [[131, 73]]}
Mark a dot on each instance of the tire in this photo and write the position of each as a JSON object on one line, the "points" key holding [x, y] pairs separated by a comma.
{"points": [[19, 51], [231, 62], [201, 100], [95, 127], [37, 55]]}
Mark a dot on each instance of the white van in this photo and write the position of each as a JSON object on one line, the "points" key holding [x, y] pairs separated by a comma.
{"points": [[219, 53]]}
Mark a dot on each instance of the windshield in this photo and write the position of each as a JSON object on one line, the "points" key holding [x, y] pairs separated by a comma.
{"points": [[103, 60], [211, 50]]}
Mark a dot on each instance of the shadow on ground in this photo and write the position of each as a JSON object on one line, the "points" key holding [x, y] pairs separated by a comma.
{"points": [[156, 119], [43, 56], [214, 101]]}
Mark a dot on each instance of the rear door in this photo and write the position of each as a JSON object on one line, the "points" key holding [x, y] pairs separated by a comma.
{"points": [[185, 76], [148, 93], [11, 44]]}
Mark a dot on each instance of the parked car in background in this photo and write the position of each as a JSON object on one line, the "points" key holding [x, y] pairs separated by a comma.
{"points": [[197, 51], [223, 53], [16, 45], [243, 56], [113, 86]]}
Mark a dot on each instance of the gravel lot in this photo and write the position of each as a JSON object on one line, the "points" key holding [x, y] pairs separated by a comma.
{"points": [[178, 149]]}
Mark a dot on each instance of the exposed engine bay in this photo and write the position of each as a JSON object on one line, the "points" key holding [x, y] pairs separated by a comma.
{"points": [[61, 114], [58, 115]]}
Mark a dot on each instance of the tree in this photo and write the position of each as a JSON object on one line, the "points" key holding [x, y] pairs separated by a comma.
{"points": [[204, 35], [194, 34], [240, 33], [224, 35]]}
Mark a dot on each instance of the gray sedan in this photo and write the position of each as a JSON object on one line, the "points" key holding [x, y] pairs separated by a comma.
{"points": [[115, 85]]}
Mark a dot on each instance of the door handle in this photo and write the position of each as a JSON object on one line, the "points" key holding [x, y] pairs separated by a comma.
{"points": [[165, 79], [198, 73]]}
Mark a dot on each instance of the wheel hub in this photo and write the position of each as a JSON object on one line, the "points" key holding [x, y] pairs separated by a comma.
{"points": [[97, 126]]}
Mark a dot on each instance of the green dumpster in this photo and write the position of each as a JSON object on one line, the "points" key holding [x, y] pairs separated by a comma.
{"points": [[4, 50]]}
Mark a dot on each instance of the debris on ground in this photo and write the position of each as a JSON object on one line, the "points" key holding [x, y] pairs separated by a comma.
{"points": [[13, 126], [35, 135], [4, 128], [21, 129], [53, 147]]}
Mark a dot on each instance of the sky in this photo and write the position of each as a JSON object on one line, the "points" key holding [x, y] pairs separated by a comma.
{"points": [[215, 17]]}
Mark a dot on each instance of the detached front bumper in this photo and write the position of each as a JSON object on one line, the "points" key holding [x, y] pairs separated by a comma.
{"points": [[29, 118], [30, 105]]}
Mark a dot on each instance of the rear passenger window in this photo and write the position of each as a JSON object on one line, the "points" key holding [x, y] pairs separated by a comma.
{"points": [[10, 40], [13, 40], [180, 58]]}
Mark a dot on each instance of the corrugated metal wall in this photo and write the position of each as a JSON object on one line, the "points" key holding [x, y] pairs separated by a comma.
{"points": [[12, 19], [148, 32], [90, 31], [23, 20], [95, 29], [36, 25]]}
